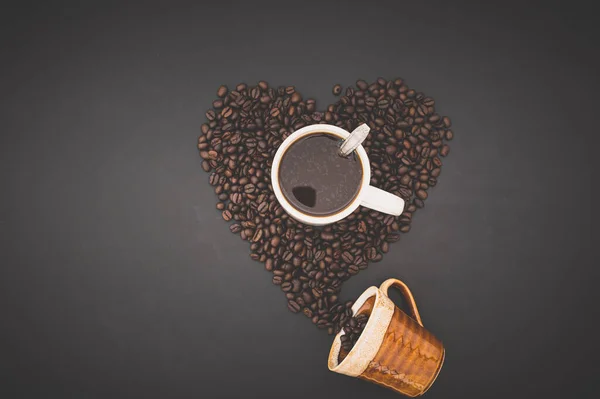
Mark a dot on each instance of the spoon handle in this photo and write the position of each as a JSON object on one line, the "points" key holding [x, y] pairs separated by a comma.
{"points": [[357, 136]]}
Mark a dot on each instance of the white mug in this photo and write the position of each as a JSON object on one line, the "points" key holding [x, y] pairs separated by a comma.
{"points": [[368, 196]]}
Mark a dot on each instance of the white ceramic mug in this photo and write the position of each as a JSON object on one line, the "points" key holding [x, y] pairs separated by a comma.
{"points": [[368, 196]]}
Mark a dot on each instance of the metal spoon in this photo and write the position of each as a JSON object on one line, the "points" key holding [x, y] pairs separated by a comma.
{"points": [[357, 136]]}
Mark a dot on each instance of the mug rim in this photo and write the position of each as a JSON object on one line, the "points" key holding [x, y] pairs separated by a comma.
{"points": [[369, 342], [275, 183]]}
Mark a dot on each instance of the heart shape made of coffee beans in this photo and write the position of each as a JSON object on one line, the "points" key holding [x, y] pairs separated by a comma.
{"points": [[243, 130]]}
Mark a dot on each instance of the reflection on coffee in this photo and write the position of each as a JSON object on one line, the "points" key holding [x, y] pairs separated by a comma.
{"points": [[315, 179]]}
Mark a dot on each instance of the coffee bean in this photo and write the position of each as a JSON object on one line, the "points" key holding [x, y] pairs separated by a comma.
{"points": [[222, 91], [327, 236], [319, 255], [262, 207], [286, 287], [445, 150], [405, 193], [422, 194], [293, 306], [298, 246], [226, 112], [385, 247], [362, 85], [269, 264], [347, 256], [236, 198], [205, 166], [388, 220], [263, 85], [257, 235], [227, 215], [393, 237], [371, 253], [337, 89]]}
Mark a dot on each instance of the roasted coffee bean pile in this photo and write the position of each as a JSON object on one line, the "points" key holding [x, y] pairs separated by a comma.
{"points": [[352, 331], [244, 128]]}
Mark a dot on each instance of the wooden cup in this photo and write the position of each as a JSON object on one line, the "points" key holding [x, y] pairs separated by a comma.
{"points": [[394, 349]]}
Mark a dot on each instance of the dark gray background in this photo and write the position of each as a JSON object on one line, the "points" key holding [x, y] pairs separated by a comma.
{"points": [[119, 279]]}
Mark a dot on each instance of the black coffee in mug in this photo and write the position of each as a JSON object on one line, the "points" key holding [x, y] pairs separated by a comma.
{"points": [[315, 179]]}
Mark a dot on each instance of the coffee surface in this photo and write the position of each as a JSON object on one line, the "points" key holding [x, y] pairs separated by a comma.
{"points": [[315, 179]]}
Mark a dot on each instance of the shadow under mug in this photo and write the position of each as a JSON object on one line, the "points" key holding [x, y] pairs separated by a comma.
{"points": [[368, 196], [394, 349]]}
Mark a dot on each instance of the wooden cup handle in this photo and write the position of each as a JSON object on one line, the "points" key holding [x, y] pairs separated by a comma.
{"points": [[407, 295]]}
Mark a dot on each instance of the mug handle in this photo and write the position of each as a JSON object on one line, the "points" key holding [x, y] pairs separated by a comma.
{"points": [[407, 295], [382, 201]]}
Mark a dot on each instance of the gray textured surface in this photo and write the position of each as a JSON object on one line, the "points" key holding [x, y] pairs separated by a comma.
{"points": [[119, 279]]}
